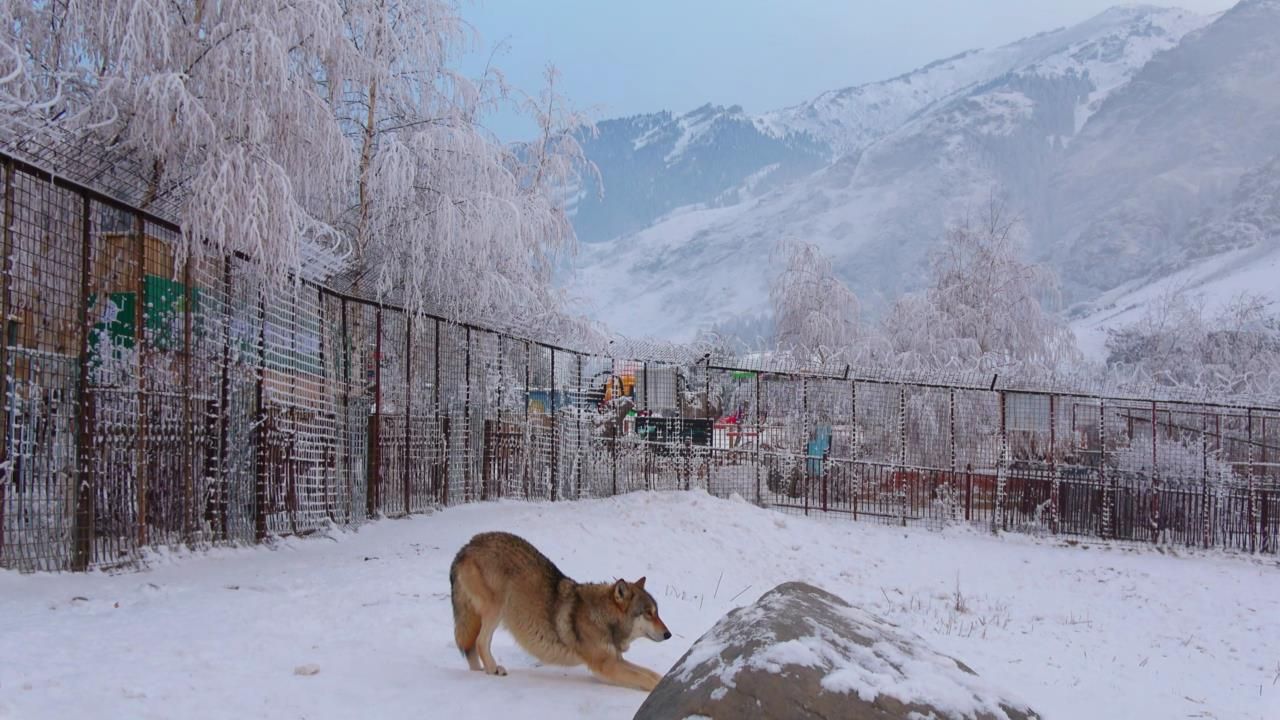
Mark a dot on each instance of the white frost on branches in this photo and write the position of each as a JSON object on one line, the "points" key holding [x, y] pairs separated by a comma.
{"points": [[985, 307], [223, 99], [283, 124], [456, 224], [1175, 344], [815, 314]]}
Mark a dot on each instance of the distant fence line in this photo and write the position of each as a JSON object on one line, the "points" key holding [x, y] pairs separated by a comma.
{"points": [[150, 405]]}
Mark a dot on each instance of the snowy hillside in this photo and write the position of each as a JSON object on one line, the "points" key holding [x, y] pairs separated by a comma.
{"points": [[938, 143], [359, 625], [1231, 250], [652, 164], [1211, 283]]}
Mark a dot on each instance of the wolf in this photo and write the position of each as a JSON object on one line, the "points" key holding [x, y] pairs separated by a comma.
{"points": [[500, 578]]}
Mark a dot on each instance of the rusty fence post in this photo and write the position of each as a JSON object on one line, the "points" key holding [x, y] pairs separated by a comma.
{"points": [[1204, 482], [286, 438], [86, 490], [1002, 465], [347, 430], [529, 445], [951, 447], [759, 450], [806, 432], [188, 427], [902, 455], [1108, 520], [262, 450], [1055, 480], [373, 487], [855, 450], [555, 439], [224, 409], [711, 422], [826, 477], [504, 443], [143, 460], [968, 492], [329, 465], [686, 451], [468, 478], [1153, 508], [613, 458], [577, 427], [1252, 504], [441, 427], [408, 410], [6, 379], [1268, 540]]}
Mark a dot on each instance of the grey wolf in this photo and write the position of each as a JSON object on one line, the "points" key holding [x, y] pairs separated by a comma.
{"points": [[499, 578]]}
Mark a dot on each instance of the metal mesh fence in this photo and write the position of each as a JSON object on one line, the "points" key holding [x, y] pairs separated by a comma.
{"points": [[151, 400]]}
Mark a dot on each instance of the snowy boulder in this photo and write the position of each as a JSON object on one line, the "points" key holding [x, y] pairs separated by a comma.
{"points": [[801, 652]]}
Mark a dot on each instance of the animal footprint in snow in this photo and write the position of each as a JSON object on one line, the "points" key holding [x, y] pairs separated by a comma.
{"points": [[306, 670]]}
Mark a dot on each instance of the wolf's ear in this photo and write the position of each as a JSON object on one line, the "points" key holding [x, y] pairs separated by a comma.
{"points": [[621, 593], [639, 583]]}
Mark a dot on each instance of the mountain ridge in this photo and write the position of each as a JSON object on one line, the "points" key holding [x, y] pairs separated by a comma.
{"points": [[880, 207]]}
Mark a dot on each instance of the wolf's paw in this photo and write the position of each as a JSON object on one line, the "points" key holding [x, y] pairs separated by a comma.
{"points": [[650, 681], [498, 670]]}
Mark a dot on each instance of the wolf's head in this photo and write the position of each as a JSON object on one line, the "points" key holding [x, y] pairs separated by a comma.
{"points": [[638, 605]]}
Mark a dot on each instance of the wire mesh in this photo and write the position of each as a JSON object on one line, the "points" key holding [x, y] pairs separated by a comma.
{"points": [[155, 403]]}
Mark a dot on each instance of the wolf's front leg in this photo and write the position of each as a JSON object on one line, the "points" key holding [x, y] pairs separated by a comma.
{"points": [[618, 671]]}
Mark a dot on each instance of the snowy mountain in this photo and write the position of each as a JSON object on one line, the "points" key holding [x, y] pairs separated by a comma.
{"points": [[653, 164], [1107, 47], [1232, 250], [910, 154], [1174, 161]]}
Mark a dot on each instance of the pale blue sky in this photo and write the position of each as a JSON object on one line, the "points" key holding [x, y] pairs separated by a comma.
{"points": [[624, 58]]}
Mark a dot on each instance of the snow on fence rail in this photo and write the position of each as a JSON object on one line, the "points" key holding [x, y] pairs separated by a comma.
{"points": [[149, 403]]}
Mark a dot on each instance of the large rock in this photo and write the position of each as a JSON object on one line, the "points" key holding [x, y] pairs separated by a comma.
{"points": [[801, 652]]}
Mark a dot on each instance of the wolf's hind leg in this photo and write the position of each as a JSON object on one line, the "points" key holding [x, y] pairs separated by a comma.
{"points": [[488, 624], [487, 607], [463, 580]]}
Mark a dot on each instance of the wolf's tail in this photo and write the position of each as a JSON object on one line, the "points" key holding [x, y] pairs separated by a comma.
{"points": [[466, 621]]}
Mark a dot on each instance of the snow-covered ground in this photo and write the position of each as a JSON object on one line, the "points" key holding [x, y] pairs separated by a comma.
{"points": [[358, 624]]}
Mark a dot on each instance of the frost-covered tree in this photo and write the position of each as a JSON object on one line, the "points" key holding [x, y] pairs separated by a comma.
{"points": [[1175, 344], [1175, 458], [815, 314], [992, 297], [1165, 338], [452, 222], [283, 123], [921, 338], [738, 335], [22, 96], [985, 305], [220, 99]]}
